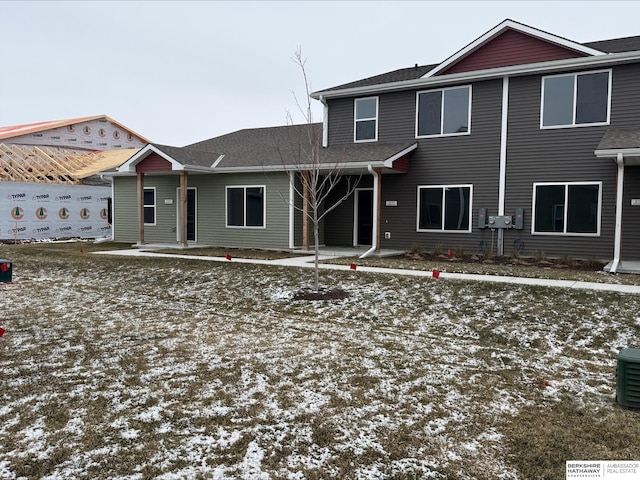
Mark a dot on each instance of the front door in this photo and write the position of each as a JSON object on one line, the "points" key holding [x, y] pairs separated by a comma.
{"points": [[191, 214], [364, 216]]}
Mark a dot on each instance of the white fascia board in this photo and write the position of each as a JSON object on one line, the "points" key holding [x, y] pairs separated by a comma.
{"points": [[298, 168], [491, 73], [129, 165], [389, 161], [497, 30], [613, 153]]}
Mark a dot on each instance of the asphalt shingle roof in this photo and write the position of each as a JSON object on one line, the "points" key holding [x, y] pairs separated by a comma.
{"points": [[275, 147], [615, 45], [620, 138]]}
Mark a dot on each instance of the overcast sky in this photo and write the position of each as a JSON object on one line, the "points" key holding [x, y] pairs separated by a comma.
{"points": [[181, 72]]}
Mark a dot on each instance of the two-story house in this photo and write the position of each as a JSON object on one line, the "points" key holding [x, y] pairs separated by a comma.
{"points": [[521, 141], [524, 141]]}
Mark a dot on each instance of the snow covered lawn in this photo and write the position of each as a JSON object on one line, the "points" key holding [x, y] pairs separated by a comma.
{"points": [[137, 368]]}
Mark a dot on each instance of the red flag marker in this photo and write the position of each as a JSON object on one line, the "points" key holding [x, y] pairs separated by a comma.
{"points": [[353, 266], [2, 331], [81, 250], [229, 257], [450, 252], [436, 273]]}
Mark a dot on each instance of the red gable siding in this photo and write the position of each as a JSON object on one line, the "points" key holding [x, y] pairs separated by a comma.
{"points": [[511, 48], [402, 164], [153, 163]]}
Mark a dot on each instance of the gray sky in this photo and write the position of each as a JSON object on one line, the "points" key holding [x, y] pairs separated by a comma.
{"points": [[181, 72]]}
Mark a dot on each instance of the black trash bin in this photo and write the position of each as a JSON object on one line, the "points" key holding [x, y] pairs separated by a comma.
{"points": [[6, 270]]}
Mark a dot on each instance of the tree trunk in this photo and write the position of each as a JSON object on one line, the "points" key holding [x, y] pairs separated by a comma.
{"points": [[317, 249]]}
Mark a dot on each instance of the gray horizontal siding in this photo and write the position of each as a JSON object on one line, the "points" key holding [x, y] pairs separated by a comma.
{"points": [[211, 210], [533, 155], [126, 209], [563, 155]]}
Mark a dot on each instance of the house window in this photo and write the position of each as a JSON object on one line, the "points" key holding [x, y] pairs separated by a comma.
{"points": [[567, 208], [444, 112], [150, 206], [245, 206], [574, 100], [444, 208], [366, 119]]}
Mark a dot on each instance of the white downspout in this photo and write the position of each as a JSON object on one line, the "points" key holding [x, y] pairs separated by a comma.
{"points": [[618, 231], [502, 185], [376, 201], [325, 122], [292, 211]]}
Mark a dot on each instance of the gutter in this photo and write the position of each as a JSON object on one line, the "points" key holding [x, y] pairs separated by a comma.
{"points": [[376, 197], [618, 228]]}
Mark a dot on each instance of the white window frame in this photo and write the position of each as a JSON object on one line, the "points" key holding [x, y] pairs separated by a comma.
{"points": [[442, 229], [442, 109], [154, 206], [564, 233], [368, 119], [264, 207], [575, 95]]}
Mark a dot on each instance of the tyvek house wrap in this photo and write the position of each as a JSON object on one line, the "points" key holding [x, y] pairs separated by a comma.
{"points": [[44, 211]]}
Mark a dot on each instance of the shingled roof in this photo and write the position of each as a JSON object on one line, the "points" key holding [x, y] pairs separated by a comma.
{"points": [[616, 45], [283, 148]]}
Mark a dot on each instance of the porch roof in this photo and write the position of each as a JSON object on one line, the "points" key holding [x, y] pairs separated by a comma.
{"points": [[625, 141], [276, 149]]}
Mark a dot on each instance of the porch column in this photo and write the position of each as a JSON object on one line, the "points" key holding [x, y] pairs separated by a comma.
{"points": [[617, 242], [183, 209], [305, 210], [140, 208], [377, 208]]}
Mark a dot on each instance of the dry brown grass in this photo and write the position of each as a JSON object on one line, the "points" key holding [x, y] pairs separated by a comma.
{"points": [[143, 367]]}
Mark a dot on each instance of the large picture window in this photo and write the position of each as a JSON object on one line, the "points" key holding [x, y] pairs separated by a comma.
{"points": [[443, 112], [567, 208], [150, 206], [575, 100], [246, 206], [366, 119], [444, 208]]}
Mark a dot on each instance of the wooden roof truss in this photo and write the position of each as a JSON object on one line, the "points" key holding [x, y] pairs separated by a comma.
{"points": [[20, 163]]}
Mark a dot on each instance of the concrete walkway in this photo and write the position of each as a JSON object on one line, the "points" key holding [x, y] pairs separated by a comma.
{"points": [[307, 262]]}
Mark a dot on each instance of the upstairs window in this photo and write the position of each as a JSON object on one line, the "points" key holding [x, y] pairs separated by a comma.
{"points": [[366, 119], [443, 112], [567, 208], [245, 206], [576, 100], [150, 206], [444, 208]]}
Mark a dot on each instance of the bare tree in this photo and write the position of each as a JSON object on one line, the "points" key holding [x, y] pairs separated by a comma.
{"points": [[318, 173]]}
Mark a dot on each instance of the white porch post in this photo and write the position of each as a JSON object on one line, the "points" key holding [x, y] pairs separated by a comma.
{"points": [[618, 229]]}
